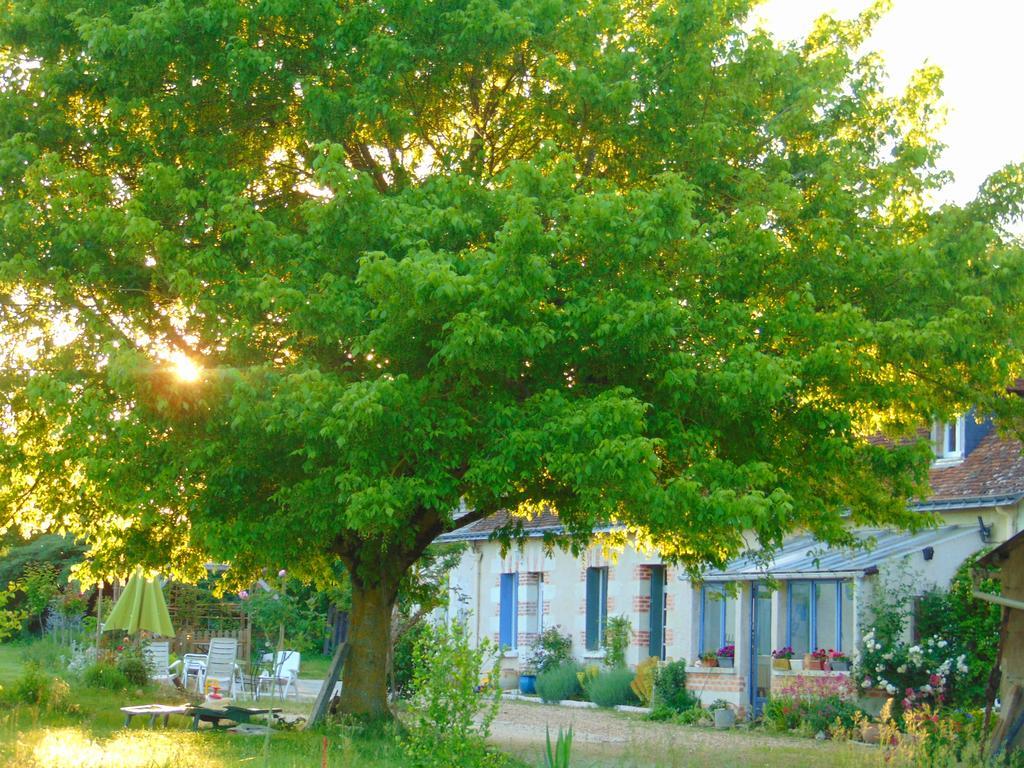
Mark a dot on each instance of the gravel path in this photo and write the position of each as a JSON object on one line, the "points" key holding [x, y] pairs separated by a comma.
{"points": [[602, 737]]}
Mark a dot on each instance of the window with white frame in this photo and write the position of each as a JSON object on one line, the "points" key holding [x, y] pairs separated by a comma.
{"points": [[508, 612], [530, 606], [820, 615], [948, 440], [717, 618]]}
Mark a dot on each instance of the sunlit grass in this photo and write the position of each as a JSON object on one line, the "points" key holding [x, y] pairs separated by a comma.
{"points": [[74, 748]]}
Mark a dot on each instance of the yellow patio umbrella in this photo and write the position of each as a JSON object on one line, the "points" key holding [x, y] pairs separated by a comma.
{"points": [[141, 606]]}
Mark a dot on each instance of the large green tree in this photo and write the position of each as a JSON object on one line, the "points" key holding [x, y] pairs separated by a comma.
{"points": [[633, 260]]}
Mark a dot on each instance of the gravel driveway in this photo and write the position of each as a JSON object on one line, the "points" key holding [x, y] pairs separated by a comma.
{"points": [[608, 738]]}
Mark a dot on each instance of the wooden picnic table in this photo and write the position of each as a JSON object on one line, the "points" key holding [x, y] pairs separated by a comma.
{"points": [[154, 711]]}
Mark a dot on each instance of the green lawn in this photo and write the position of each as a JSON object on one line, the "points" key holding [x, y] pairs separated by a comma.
{"points": [[94, 737], [314, 666]]}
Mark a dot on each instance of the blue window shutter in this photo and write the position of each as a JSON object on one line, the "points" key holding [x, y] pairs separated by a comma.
{"points": [[594, 608], [507, 622], [657, 609]]}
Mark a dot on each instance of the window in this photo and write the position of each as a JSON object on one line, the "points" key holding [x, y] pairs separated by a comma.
{"points": [[508, 623], [597, 606], [820, 615], [531, 606], [717, 618], [948, 439]]}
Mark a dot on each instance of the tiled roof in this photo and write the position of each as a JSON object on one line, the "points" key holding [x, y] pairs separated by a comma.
{"points": [[995, 468], [481, 529], [991, 475]]}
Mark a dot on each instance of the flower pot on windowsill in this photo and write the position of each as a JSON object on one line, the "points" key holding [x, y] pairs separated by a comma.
{"points": [[812, 662], [709, 662], [840, 665], [796, 664], [725, 662], [780, 664]]}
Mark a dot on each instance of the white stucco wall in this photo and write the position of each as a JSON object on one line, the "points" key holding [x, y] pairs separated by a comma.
{"points": [[476, 590]]}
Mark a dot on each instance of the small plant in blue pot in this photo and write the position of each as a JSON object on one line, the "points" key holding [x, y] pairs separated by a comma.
{"points": [[528, 680]]}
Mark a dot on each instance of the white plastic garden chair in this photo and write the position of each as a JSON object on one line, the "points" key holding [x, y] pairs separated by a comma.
{"points": [[158, 659], [221, 666], [284, 673]]}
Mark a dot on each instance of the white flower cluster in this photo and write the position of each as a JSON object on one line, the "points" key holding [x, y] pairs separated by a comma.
{"points": [[869, 641]]}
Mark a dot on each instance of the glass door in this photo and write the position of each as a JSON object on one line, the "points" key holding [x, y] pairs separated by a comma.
{"points": [[760, 682]]}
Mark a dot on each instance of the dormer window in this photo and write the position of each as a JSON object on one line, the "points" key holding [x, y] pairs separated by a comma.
{"points": [[948, 441]]}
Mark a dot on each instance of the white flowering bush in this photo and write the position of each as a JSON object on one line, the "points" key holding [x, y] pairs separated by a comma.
{"points": [[914, 675]]}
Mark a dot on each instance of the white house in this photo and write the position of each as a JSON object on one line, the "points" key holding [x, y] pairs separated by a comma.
{"points": [[977, 490]]}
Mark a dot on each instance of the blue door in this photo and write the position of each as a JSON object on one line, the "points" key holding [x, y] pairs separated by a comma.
{"points": [[760, 680]]}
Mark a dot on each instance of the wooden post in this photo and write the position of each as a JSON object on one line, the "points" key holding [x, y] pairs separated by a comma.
{"points": [[99, 616], [323, 699]]}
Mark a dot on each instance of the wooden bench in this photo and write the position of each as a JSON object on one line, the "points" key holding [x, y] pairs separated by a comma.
{"points": [[154, 711]]}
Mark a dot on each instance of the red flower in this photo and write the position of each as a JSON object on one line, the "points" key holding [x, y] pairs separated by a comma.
{"points": [[120, 647], [935, 681]]}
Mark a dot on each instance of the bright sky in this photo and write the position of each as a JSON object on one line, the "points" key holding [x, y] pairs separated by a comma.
{"points": [[977, 44]]}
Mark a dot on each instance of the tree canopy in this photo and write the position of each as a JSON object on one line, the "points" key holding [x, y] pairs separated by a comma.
{"points": [[638, 262]]}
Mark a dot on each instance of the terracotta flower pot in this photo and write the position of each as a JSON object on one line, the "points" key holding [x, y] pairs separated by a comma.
{"points": [[813, 662], [713, 662]]}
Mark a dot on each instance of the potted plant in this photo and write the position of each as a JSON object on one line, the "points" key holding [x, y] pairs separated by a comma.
{"points": [[726, 656], [725, 715], [781, 657], [815, 659], [709, 659], [527, 680], [838, 661]]}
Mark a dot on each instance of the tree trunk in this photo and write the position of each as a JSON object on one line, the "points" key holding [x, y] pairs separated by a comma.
{"points": [[364, 689]]}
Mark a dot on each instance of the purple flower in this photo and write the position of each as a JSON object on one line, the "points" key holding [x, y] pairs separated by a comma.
{"points": [[244, 594], [282, 573]]}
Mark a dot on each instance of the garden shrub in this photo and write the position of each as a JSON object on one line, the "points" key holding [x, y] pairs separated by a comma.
{"points": [[133, 666], [447, 698], [551, 649], [402, 661], [936, 670], [104, 674], [36, 688], [694, 716], [786, 713], [643, 682], [670, 690], [617, 634], [970, 625], [559, 683], [612, 688]]}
